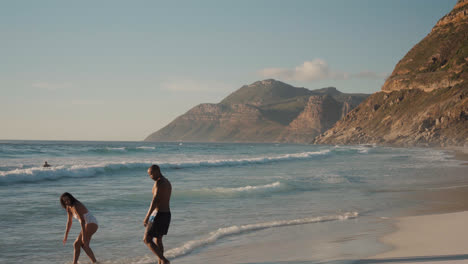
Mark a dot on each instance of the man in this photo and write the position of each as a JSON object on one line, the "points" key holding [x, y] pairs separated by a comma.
{"points": [[46, 165], [159, 214]]}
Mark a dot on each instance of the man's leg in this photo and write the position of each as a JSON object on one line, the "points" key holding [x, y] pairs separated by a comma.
{"points": [[160, 245], [155, 248]]}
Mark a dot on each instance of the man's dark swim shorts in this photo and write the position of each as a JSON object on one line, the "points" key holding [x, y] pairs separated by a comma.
{"points": [[159, 224]]}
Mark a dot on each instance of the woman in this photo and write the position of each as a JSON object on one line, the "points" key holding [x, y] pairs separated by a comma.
{"points": [[89, 225]]}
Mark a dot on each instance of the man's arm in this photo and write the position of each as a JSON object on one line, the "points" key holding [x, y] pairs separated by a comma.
{"points": [[154, 203]]}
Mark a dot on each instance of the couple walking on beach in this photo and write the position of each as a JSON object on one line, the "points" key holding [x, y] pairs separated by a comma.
{"points": [[157, 219]]}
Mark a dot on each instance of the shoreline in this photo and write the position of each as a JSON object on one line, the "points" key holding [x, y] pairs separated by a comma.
{"points": [[460, 153], [435, 235], [432, 238]]}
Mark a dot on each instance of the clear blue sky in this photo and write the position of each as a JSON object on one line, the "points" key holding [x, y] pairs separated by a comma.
{"points": [[119, 70]]}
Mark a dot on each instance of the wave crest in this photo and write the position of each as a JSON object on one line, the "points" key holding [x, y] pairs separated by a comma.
{"points": [[37, 174], [223, 192], [238, 229], [246, 188]]}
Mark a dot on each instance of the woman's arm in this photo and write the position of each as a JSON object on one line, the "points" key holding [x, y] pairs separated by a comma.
{"points": [[69, 224]]}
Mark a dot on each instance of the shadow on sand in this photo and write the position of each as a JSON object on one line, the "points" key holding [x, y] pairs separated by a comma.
{"points": [[419, 259]]}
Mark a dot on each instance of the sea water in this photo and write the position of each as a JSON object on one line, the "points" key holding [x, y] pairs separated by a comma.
{"points": [[231, 203]]}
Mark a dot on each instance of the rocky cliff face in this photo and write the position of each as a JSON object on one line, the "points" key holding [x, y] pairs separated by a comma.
{"points": [[406, 118], [439, 60], [320, 114], [265, 111], [218, 123], [424, 102]]}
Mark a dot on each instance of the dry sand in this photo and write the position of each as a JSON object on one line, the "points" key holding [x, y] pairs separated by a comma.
{"points": [[432, 238], [441, 239]]}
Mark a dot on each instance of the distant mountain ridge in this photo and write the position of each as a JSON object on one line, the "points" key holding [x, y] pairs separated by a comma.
{"points": [[264, 111], [425, 100]]}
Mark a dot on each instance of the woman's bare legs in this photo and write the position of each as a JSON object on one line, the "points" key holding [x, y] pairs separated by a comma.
{"points": [[76, 248], [90, 229]]}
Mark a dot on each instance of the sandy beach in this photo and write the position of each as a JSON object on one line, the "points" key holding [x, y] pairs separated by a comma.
{"points": [[439, 235], [440, 238], [427, 239]]}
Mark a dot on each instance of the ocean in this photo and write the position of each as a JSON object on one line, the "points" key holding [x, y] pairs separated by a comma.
{"points": [[231, 203]]}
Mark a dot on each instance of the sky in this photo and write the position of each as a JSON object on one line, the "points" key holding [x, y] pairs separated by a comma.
{"points": [[120, 70]]}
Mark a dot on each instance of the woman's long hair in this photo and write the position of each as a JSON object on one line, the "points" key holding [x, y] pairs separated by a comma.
{"points": [[73, 200]]}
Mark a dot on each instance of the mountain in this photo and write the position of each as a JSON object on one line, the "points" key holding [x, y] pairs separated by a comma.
{"points": [[425, 100], [264, 111], [320, 113]]}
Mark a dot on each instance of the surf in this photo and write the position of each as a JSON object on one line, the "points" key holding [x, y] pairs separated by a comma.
{"points": [[223, 232], [37, 174], [224, 192]]}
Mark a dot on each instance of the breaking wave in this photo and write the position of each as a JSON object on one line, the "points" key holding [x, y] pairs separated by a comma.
{"points": [[37, 174], [219, 192], [120, 150], [220, 233], [247, 188]]}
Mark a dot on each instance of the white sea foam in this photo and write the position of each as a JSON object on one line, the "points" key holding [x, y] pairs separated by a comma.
{"points": [[239, 229], [36, 174], [363, 149], [223, 191], [247, 188], [146, 148], [435, 156], [117, 149], [449, 187], [427, 158], [247, 161]]}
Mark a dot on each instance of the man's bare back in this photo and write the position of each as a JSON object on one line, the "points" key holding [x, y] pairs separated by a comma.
{"points": [[162, 189]]}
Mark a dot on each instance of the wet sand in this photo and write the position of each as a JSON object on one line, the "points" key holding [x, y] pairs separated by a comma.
{"points": [[438, 234], [440, 238]]}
